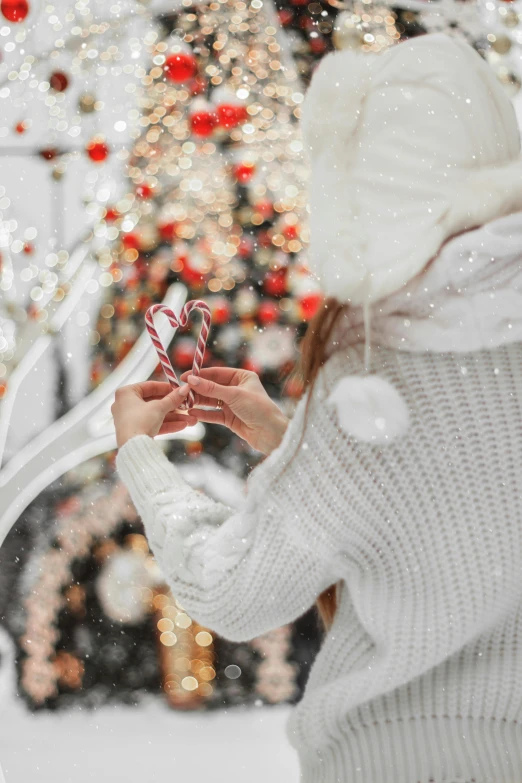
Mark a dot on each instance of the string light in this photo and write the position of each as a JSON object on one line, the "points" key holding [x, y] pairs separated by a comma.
{"points": [[186, 653]]}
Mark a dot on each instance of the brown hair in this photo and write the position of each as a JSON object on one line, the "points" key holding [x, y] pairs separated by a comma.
{"points": [[313, 356]]}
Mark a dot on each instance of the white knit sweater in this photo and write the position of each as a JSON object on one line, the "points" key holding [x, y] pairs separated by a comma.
{"points": [[420, 677]]}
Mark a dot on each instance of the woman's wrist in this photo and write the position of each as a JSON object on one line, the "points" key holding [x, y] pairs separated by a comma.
{"points": [[275, 432], [123, 437]]}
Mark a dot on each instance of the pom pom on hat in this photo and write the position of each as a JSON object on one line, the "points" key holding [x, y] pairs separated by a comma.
{"points": [[369, 408]]}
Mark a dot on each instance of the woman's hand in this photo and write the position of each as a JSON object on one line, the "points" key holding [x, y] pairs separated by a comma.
{"points": [[149, 409], [247, 409]]}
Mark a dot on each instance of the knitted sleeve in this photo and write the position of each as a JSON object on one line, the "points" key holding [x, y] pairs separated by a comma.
{"points": [[238, 572]]}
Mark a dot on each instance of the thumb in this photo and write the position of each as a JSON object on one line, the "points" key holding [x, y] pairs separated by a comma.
{"points": [[174, 399]]}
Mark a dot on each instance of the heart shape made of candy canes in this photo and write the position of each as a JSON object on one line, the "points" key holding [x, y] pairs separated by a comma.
{"points": [[175, 321]]}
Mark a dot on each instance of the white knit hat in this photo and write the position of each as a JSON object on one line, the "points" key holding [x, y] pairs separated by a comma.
{"points": [[407, 148]]}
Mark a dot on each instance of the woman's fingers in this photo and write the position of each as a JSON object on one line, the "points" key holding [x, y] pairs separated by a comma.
{"points": [[223, 375], [172, 426], [173, 399], [211, 389], [152, 389], [198, 398], [210, 417], [157, 390], [186, 419]]}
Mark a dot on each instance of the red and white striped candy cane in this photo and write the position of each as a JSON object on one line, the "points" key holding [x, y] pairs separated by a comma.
{"points": [[194, 304]]}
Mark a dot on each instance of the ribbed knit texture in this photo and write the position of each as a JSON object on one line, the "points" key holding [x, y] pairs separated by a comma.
{"points": [[420, 677]]}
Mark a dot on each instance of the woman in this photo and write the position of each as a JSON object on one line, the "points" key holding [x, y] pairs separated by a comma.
{"points": [[393, 496]]}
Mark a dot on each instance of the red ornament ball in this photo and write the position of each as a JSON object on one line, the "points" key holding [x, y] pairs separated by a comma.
{"points": [[268, 312], [59, 81], [49, 153], [183, 352], [180, 67], [221, 311], [306, 23], [97, 150], [244, 172], [28, 248], [291, 232], [285, 16], [202, 123], [245, 247], [275, 283], [167, 231], [130, 241], [191, 276], [111, 214], [21, 127], [265, 208], [144, 191], [310, 304], [14, 10], [264, 239], [317, 45], [230, 115]]}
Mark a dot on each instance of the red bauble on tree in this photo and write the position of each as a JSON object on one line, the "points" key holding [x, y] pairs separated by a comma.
{"points": [[183, 352], [59, 81], [285, 16], [130, 241], [245, 247], [97, 149], [221, 310], [180, 67], [111, 214], [230, 115], [14, 10], [192, 272], [144, 191], [192, 277], [244, 172], [49, 153], [318, 45], [309, 304], [231, 110], [268, 312], [264, 238], [275, 282], [167, 231], [291, 232], [203, 122], [265, 208]]}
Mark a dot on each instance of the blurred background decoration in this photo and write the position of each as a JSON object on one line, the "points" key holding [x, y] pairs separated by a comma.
{"points": [[159, 143]]}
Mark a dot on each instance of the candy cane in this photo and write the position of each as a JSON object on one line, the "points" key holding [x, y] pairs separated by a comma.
{"points": [[194, 304]]}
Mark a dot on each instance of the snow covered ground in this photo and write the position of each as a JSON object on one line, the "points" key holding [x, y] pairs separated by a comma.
{"points": [[148, 743]]}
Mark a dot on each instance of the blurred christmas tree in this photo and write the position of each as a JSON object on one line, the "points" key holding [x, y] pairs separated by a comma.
{"points": [[216, 200]]}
